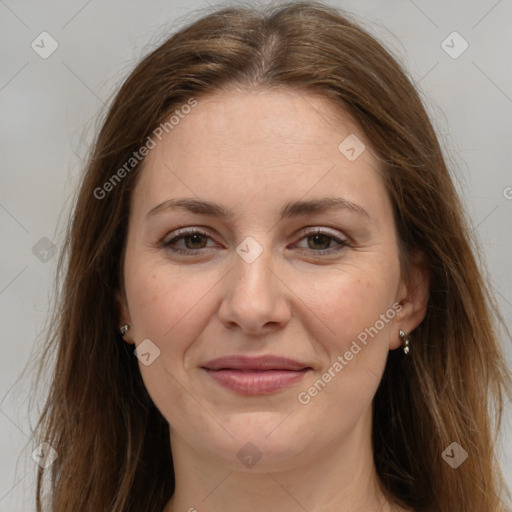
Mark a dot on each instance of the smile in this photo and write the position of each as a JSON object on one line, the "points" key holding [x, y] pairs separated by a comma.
{"points": [[255, 375], [253, 382]]}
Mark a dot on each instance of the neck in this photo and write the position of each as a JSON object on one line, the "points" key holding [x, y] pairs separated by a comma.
{"points": [[339, 478]]}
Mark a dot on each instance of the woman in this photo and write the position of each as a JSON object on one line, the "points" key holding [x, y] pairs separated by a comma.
{"points": [[271, 300]]}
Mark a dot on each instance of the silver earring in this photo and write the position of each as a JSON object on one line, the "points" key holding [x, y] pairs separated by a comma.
{"points": [[406, 338], [123, 329]]}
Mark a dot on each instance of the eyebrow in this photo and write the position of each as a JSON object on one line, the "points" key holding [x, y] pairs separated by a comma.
{"points": [[292, 209]]}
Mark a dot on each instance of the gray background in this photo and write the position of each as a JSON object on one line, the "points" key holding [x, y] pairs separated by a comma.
{"points": [[49, 112]]}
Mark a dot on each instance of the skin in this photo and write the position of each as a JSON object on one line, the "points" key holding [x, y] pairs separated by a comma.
{"points": [[253, 152]]}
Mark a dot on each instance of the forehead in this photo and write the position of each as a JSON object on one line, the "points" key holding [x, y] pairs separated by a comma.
{"points": [[255, 146], [276, 120]]}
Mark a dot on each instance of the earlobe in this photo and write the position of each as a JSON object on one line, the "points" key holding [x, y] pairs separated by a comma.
{"points": [[124, 320], [413, 298]]}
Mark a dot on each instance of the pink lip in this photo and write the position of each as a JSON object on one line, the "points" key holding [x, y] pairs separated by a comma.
{"points": [[255, 375]]}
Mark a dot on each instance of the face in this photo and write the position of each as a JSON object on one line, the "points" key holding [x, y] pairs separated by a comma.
{"points": [[255, 265]]}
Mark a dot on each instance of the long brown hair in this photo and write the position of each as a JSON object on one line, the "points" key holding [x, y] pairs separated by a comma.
{"points": [[113, 444]]}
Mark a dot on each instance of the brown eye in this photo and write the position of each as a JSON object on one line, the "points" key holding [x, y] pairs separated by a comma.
{"points": [[196, 241], [191, 242], [319, 241], [322, 242]]}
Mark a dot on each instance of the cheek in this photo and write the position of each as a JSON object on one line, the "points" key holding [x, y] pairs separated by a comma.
{"points": [[164, 298], [167, 307], [346, 303], [171, 305], [358, 308]]}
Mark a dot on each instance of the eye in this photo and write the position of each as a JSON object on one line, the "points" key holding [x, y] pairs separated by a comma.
{"points": [[321, 242], [193, 241]]}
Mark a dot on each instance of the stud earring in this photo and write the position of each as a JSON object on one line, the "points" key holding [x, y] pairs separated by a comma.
{"points": [[123, 329], [406, 338]]}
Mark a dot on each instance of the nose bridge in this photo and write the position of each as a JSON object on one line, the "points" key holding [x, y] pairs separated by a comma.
{"points": [[253, 297], [252, 262]]}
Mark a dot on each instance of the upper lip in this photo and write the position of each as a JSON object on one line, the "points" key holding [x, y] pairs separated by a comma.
{"points": [[259, 363]]}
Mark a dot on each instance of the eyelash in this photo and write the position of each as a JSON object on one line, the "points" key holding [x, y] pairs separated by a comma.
{"points": [[182, 234]]}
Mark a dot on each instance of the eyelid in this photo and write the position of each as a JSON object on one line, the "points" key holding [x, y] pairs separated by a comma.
{"points": [[189, 230], [305, 231], [312, 230], [183, 232], [343, 240]]}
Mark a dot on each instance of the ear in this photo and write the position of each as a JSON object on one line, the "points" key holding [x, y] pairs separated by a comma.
{"points": [[124, 315], [412, 296]]}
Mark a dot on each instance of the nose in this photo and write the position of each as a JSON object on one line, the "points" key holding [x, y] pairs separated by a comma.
{"points": [[255, 299]]}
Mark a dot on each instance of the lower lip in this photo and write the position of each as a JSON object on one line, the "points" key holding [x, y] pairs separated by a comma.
{"points": [[256, 382]]}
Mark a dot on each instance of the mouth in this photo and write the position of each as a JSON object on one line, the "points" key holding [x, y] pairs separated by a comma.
{"points": [[255, 375]]}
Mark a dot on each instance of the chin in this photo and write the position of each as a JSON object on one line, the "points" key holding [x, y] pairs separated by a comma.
{"points": [[264, 441]]}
